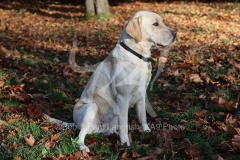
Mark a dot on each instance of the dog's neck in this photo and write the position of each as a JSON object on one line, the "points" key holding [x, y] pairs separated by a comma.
{"points": [[140, 56], [143, 47]]}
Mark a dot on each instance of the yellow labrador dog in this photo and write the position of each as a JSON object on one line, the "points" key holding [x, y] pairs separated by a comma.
{"points": [[121, 80]]}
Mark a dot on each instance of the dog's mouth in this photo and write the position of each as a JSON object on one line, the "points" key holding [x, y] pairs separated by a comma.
{"points": [[159, 45]]}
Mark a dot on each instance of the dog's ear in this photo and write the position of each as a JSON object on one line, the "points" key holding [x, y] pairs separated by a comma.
{"points": [[134, 28]]}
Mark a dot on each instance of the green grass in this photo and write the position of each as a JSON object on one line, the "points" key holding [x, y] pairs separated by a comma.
{"points": [[58, 95], [106, 151], [1, 74], [45, 84], [8, 76], [10, 103], [188, 115], [65, 145], [207, 145], [102, 150]]}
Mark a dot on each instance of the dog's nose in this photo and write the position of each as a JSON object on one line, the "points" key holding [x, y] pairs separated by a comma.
{"points": [[174, 33]]}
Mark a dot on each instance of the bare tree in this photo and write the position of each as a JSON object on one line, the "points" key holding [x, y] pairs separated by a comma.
{"points": [[97, 9]]}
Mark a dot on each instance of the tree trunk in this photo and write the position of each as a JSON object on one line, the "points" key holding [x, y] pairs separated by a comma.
{"points": [[90, 9], [97, 9]]}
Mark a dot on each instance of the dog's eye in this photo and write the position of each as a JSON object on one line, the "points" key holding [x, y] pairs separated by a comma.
{"points": [[156, 24]]}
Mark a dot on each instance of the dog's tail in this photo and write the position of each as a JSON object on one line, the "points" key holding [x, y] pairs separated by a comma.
{"points": [[74, 65], [58, 122]]}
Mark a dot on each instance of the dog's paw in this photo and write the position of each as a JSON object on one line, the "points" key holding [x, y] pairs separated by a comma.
{"points": [[83, 147], [146, 128], [125, 143], [124, 139]]}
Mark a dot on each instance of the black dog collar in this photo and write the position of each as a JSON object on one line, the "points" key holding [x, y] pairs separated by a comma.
{"points": [[149, 59]]}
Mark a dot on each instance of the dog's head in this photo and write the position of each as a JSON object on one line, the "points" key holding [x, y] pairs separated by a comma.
{"points": [[148, 26]]}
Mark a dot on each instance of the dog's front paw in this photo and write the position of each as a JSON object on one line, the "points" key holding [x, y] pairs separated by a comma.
{"points": [[146, 128], [125, 143], [83, 147], [124, 139]]}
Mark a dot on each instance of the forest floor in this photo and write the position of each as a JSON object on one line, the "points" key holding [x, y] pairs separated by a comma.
{"points": [[196, 97]]}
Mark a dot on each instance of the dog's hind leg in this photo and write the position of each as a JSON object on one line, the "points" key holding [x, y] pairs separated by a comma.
{"points": [[87, 120]]}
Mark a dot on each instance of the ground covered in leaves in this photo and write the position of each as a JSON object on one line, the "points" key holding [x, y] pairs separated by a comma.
{"points": [[196, 97]]}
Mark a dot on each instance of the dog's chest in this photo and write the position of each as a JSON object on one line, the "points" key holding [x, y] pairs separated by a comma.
{"points": [[133, 80], [134, 76], [144, 73]]}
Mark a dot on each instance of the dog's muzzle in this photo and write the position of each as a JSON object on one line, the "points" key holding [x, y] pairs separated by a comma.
{"points": [[174, 33]]}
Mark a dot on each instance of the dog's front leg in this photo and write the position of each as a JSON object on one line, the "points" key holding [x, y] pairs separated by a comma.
{"points": [[123, 104], [141, 112]]}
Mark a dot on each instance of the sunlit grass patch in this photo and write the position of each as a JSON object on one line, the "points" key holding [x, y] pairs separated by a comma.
{"points": [[16, 146], [8, 76]]}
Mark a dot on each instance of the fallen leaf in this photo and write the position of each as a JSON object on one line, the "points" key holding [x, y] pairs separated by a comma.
{"points": [[84, 75], [22, 98], [229, 105], [195, 78], [201, 114], [233, 144], [210, 60], [16, 158], [76, 156], [113, 138], [190, 149], [220, 158], [139, 146], [2, 83], [229, 119], [14, 144], [12, 121], [182, 87], [190, 61], [124, 155], [84, 153], [148, 158], [135, 154], [3, 122], [176, 73], [168, 146], [34, 110], [68, 71], [46, 127], [237, 66], [55, 137], [157, 151], [29, 139], [91, 140], [50, 144]]}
